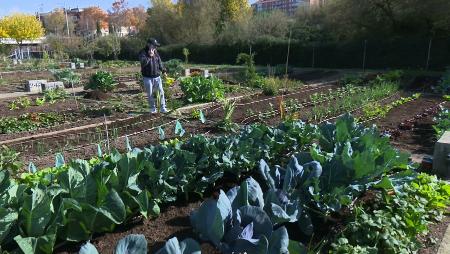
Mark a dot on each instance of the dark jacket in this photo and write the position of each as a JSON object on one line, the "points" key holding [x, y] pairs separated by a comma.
{"points": [[151, 67]]}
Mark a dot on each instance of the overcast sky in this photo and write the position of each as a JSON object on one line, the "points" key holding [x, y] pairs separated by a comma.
{"points": [[33, 6]]}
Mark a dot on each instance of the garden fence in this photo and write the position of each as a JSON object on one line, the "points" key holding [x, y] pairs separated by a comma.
{"points": [[422, 53]]}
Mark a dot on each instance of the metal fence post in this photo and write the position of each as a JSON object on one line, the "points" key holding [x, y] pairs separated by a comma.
{"points": [[313, 57], [364, 56], [429, 53]]}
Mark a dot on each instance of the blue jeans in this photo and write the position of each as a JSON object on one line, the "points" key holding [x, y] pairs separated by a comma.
{"points": [[152, 84]]}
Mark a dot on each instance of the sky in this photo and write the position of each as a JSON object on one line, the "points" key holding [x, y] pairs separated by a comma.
{"points": [[33, 6]]}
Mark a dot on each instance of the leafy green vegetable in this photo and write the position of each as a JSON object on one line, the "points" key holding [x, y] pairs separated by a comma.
{"points": [[201, 89], [136, 244], [392, 227], [29, 122], [179, 129], [9, 160], [102, 81], [187, 246], [76, 199], [174, 67], [235, 228], [88, 248], [132, 244], [53, 95], [442, 122]]}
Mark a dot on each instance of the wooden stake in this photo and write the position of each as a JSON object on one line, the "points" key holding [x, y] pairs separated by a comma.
{"points": [[107, 135]]}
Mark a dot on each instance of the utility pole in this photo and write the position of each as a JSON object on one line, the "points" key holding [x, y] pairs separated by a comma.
{"points": [[67, 22], [40, 11]]}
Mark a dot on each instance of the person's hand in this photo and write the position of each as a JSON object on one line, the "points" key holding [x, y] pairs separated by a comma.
{"points": [[151, 52]]}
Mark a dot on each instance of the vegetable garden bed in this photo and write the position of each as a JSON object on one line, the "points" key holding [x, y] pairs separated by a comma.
{"points": [[85, 141], [411, 124], [324, 174], [274, 145]]}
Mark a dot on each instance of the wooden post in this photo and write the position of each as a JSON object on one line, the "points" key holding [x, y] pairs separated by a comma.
{"points": [[107, 135], [429, 53]]}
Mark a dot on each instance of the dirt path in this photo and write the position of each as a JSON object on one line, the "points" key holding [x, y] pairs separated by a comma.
{"points": [[21, 94]]}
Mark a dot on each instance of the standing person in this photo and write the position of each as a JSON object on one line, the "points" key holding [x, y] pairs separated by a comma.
{"points": [[151, 69]]}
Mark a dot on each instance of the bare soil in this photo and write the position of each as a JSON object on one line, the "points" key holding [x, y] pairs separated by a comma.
{"points": [[432, 240], [411, 124], [173, 221]]}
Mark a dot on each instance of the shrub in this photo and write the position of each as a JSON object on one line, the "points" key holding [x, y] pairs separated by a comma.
{"points": [[201, 89], [249, 63], [174, 67], [102, 81], [351, 79], [393, 75], [271, 86]]}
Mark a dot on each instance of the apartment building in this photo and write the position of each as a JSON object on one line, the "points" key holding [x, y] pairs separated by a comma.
{"points": [[287, 6]]}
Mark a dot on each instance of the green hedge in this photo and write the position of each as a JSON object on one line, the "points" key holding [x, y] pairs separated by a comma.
{"points": [[392, 53]]}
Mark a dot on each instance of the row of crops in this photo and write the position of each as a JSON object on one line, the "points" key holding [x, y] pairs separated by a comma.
{"points": [[327, 167]]}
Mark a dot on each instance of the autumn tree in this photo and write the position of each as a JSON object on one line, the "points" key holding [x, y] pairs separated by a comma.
{"points": [[137, 16], [193, 22], [55, 22], [199, 21], [93, 19], [22, 27], [118, 15], [164, 22], [3, 33], [233, 10]]}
